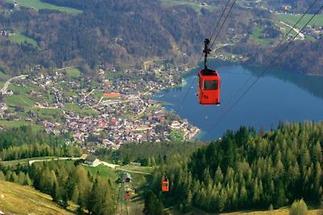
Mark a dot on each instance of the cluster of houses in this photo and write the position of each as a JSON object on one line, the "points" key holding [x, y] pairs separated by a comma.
{"points": [[123, 113]]}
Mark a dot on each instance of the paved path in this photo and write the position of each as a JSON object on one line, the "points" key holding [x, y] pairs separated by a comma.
{"points": [[110, 165], [113, 166], [6, 84], [53, 159], [300, 34]]}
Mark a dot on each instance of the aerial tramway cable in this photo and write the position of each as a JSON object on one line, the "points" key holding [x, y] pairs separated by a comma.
{"points": [[232, 96], [216, 32], [219, 21], [225, 19], [245, 92]]}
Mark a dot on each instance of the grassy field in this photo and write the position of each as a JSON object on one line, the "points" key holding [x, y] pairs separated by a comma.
{"points": [[21, 96], [82, 111], [283, 211], [18, 123], [38, 5], [191, 3], [73, 73], [53, 115], [21, 39], [103, 171], [17, 199], [256, 37], [21, 161], [19, 100], [292, 19], [144, 169]]}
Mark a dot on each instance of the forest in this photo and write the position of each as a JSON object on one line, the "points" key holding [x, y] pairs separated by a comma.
{"points": [[147, 154], [66, 181], [116, 32], [23, 142], [246, 170], [298, 55]]}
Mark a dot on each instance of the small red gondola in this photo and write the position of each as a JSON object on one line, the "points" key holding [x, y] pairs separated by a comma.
{"points": [[209, 82], [165, 184], [209, 87], [127, 195]]}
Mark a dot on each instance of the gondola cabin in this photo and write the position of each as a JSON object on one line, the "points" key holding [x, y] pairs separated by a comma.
{"points": [[165, 184], [127, 195], [209, 87]]}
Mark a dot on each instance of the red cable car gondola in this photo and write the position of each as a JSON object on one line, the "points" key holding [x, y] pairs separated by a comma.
{"points": [[165, 184], [209, 82]]}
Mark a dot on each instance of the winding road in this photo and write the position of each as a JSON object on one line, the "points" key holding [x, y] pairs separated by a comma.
{"points": [[98, 163], [4, 89]]}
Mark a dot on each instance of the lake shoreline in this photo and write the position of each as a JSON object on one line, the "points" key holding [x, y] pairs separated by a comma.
{"points": [[289, 85]]}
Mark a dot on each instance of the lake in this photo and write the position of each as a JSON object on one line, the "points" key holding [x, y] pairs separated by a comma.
{"points": [[278, 96]]}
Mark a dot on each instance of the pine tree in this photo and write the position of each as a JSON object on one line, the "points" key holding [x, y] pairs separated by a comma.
{"points": [[28, 181], [14, 177], [218, 175], [152, 205], [55, 193], [83, 184], [281, 196], [298, 208], [21, 178], [2, 176]]}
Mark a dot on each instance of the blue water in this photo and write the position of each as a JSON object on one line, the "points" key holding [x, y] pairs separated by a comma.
{"points": [[277, 97]]}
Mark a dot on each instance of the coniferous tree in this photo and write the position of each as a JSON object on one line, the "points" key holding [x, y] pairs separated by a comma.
{"points": [[2, 176], [152, 205], [298, 208]]}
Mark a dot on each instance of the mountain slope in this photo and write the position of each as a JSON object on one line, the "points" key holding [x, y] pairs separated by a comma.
{"points": [[17, 199], [302, 56], [114, 32]]}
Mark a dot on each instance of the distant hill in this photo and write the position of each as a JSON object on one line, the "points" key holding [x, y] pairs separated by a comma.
{"points": [[300, 56], [115, 32], [17, 199], [296, 5]]}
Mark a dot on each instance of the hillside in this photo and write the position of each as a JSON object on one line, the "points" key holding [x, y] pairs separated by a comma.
{"points": [[300, 56], [107, 33], [17, 199], [284, 211], [246, 170]]}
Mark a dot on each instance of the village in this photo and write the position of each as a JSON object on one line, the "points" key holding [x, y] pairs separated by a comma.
{"points": [[117, 110]]}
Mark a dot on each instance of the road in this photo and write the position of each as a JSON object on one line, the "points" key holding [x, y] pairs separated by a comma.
{"points": [[112, 166], [118, 167], [300, 34], [99, 162], [134, 171], [54, 159], [3, 91]]}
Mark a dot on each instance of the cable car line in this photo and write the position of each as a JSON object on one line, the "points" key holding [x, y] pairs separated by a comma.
{"points": [[280, 42], [218, 30], [209, 85], [219, 20], [258, 78], [227, 16]]}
